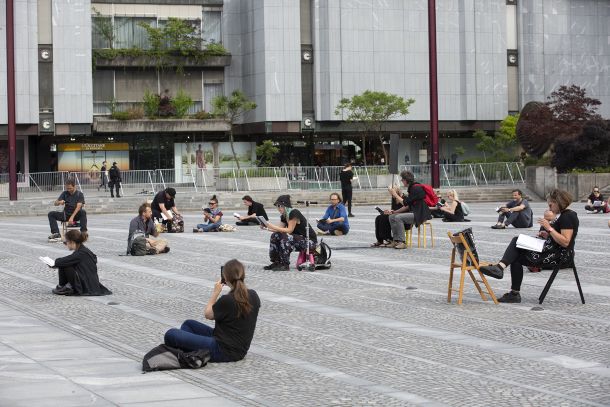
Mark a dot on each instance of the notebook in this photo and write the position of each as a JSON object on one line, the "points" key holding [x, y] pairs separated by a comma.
{"points": [[530, 243]]}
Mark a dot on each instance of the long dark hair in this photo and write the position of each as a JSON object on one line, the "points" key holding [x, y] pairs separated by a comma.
{"points": [[234, 274], [76, 236]]}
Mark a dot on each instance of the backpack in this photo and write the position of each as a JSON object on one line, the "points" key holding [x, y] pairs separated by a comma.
{"points": [[322, 255], [138, 245], [469, 237], [165, 357], [176, 225], [431, 199], [465, 208]]}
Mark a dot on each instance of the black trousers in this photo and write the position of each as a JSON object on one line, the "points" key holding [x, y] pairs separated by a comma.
{"points": [[67, 275], [117, 186], [383, 231], [347, 198], [248, 222], [54, 216], [515, 257]]}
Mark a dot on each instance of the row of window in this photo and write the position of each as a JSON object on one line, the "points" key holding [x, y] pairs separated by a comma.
{"points": [[126, 32]]}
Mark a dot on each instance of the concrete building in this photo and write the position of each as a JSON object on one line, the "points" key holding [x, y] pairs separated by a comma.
{"points": [[296, 59]]}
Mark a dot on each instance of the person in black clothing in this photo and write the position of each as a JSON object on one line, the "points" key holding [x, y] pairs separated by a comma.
{"points": [[115, 180], [595, 201], [73, 202], [291, 235], [254, 209], [558, 248], [413, 212], [450, 210], [383, 230], [346, 176], [235, 314], [103, 177], [162, 203], [78, 271]]}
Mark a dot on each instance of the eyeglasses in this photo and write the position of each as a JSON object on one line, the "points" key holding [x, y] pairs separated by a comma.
{"points": [[596, 191], [211, 203]]}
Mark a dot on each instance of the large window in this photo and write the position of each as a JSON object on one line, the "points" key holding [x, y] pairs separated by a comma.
{"points": [[129, 34], [210, 91], [101, 32], [211, 32]]}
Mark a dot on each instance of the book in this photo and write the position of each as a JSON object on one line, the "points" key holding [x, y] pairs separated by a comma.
{"points": [[262, 220], [237, 215], [597, 203], [48, 261], [530, 243]]}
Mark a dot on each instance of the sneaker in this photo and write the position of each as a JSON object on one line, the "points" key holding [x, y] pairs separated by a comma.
{"points": [[271, 266], [498, 227], [389, 244], [493, 270], [281, 267], [197, 230], [511, 297], [54, 236], [400, 245], [65, 290]]}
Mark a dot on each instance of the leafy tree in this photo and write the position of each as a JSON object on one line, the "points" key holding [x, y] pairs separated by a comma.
{"points": [[266, 151], [590, 150], [177, 35], [232, 108], [371, 110], [102, 25], [500, 146]]}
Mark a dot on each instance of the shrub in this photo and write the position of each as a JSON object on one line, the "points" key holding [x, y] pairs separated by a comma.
{"points": [[120, 115], [135, 113], [181, 103], [151, 103], [203, 115], [166, 107], [216, 49]]}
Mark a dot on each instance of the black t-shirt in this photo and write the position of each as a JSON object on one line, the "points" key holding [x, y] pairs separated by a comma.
{"points": [[258, 209], [160, 198], [233, 334], [594, 198], [299, 229], [71, 200], [346, 178], [567, 220]]}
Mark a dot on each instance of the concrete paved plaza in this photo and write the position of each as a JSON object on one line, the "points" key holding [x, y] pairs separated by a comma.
{"points": [[376, 329]]}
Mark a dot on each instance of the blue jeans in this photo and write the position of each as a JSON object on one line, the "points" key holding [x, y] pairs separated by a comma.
{"points": [[209, 227], [331, 227], [193, 335]]}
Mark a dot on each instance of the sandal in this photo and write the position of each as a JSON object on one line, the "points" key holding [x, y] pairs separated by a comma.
{"points": [[377, 244]]}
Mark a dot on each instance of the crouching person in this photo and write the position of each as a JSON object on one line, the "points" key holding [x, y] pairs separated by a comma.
{"points": [[235, 314], [141, 228], [334, 221]]}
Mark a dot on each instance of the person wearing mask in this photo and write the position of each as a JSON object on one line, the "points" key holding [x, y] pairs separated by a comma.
{"points": [[212, 217], [78, 271], [558, 248], [346, 176], [290, 235], [595, 201], [162, 203], [143, 224], [254, 209], [234, 313], [73, 201], [516, 212], [334, 221], [114, 173]]}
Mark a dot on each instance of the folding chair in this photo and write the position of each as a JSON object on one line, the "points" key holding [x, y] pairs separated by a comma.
{"points": [[469, 263], [409, 235], [552, 278]]}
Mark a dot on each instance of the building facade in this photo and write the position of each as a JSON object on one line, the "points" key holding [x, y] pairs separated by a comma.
{"points": [[80, 65]]}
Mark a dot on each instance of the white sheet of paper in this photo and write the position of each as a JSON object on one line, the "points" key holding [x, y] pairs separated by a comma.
{"points": [[165, 217], [597, 203], [530, 243], [48, 261], [262, 220], [237, 215]]}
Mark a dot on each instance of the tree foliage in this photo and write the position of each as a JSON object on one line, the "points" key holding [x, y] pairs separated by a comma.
{"points": [[232, 108], [590, 150], [371, 109], [501, 145], [265, 152]]}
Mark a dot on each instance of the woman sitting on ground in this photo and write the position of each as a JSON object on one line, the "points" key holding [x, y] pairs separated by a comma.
{"points": [[558, 248], [78, 271], [334, 221], [235, 314], [212, 217], [451, 210], [383, 230], [290, 235]]}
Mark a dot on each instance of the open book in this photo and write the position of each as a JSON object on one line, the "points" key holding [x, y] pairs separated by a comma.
{"points": [[48, 261], [237, 215], [530, 243], [262, 220]]}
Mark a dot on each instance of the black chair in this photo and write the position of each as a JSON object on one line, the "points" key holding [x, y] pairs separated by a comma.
{"points": [[554, 274]]}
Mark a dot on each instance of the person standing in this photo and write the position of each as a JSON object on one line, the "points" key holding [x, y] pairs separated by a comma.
{"points": [[115, 180], [73, 202], [346, 176], [103, 177]]}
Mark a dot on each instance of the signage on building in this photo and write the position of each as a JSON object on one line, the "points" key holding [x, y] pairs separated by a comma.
{"points": [[93, 147]]}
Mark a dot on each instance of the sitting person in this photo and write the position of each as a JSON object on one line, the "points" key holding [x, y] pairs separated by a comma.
{"points": [[450, 210], [414, 211], [383, 230], [78, 271], [290, 235], [542, 233], [334, 221], [558, 248], [163, 203], [595, 201], [143, 224], [235, 314], [516, 212], [254, 209], [73, 212], [212, 217]]}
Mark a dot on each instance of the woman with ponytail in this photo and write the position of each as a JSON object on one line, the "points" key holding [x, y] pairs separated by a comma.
{"points": [[235, 314], [78, 271]]}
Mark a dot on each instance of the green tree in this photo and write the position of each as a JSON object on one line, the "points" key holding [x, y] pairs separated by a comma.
{"points": [[500, 146], [232, 108], [371, 110], [265, 152]]}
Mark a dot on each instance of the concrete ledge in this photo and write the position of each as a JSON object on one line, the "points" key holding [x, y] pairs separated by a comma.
{"points": [[105, 125], [125, 61], [542, 180]]}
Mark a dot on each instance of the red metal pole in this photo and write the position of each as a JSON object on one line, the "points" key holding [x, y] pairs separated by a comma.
{"points": [[10, 85], [435, 171]]}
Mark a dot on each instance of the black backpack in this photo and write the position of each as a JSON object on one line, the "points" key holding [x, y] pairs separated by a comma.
{"points": [[469, 237], [165, 357], [322, 255]]}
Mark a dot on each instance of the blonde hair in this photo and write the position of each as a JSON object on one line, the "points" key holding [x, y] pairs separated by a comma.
{"points": [[454, 193]]}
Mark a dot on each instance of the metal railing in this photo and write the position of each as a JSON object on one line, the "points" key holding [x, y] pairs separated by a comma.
{"points": [[192, 180]]}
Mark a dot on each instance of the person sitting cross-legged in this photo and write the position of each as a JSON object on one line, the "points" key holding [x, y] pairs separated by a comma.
{"points": [[450, 210], [212, 217], [334, 221], [143, 224], [516, 212], [254, 209], [73, 201], [595, 202]]}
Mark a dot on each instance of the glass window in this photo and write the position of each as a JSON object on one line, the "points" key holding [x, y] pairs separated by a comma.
{"points": [[129, 34], [210, 91], [188, 81], [211, 27], [101, 32]]}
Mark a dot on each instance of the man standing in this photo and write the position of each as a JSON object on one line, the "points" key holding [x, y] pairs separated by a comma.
{"points": [[144, 225], [516, 212], [162, 203], [346, 176], [103, 177], [254, 209], [413, 213], [115, 180], [73, 202]]}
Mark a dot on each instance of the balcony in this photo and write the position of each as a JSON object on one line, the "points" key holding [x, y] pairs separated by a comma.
{"points": [[107, 125], [137, 58]]}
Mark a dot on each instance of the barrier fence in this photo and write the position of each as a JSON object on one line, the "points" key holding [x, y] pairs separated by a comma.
{"points": [[194, 180]]}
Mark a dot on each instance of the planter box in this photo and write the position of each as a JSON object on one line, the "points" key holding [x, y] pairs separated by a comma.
{"points": [[145, 61], [105, 125]]}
